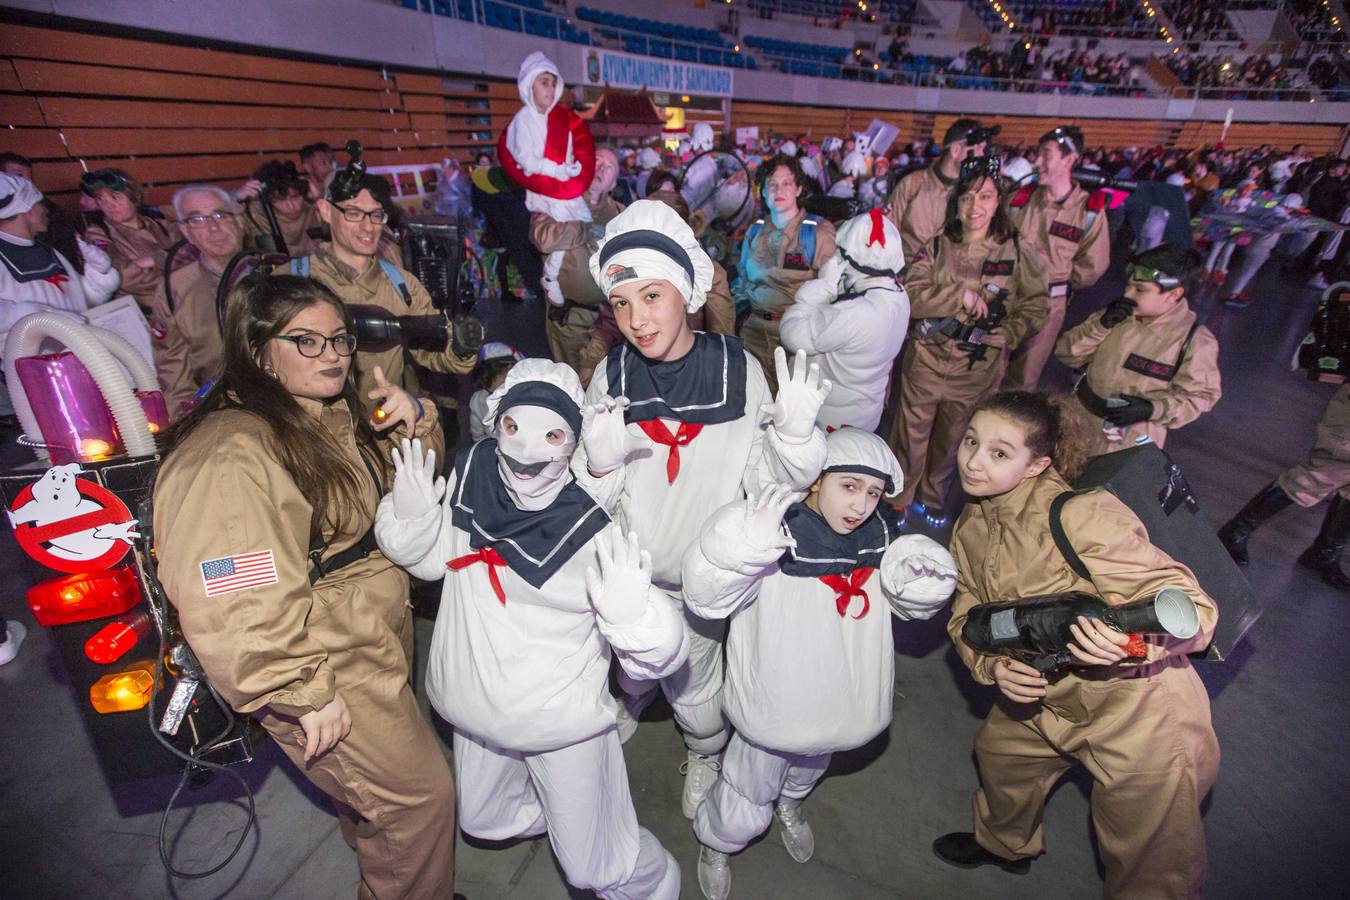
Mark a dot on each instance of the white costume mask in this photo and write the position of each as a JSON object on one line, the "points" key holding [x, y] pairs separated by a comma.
{"points": [[533, 470]]}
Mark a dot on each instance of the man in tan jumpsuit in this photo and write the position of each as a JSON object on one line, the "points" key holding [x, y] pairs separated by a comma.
{"points": [[186, 329], [1141, 728], [137, 244], [1150, 365], [918, 203], [1326, 474], [297, 217], [568, 327], [1065, 228], [774, 262], [288, 647]]}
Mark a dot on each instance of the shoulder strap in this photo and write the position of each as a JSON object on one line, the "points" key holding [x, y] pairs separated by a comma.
{"points": [[395, 276], [1062, 542], [753, 231], [1185, 347], [300, 266], [806, 238]]}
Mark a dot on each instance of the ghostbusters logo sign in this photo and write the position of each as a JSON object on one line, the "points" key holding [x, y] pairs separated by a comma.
{"points": [[71, 524]]}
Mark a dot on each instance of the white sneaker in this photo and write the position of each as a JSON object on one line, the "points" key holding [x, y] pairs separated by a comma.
{"points": [[552, 292], [699, 774], [795, 831], [714, 874], [10, 648], [630, 710]]}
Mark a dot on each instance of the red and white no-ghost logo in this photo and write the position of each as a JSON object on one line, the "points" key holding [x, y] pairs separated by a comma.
{"points": [[71, 524]]}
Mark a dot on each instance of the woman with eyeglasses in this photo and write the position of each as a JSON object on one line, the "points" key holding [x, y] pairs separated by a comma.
{"points": [[264, 507], [137, 244], [974, 296]]}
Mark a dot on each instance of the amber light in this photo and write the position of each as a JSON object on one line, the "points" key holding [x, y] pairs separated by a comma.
{"points": [[126, 690], [115, 639], [79, 598]]}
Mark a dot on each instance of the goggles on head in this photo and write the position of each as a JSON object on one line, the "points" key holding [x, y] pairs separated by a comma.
{"points": [[1062, 136], [973, 167], [104, 179], [1137, 272]]}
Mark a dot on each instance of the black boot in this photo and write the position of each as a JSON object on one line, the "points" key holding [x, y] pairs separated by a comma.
{"points": [[960, 849], [1324, 556], [1235, 532]]}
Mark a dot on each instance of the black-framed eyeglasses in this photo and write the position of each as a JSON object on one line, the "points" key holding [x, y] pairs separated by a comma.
{"points": [[200, 220], [355, 214], [311, 345]]}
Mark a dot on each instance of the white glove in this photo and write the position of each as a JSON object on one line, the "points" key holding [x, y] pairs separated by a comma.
{"points": [[763, 527], [607, 440], [571, 170], [94, 257], [918, 576], [619, 591], [417, 489], [800, 396]]}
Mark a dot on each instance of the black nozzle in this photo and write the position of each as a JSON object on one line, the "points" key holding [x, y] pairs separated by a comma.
{"points": [[376, 330]]}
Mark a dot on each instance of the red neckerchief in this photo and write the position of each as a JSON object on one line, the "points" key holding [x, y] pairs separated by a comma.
{"points": [[659, 433], [491, 558], [58, 278], [848, 588]]}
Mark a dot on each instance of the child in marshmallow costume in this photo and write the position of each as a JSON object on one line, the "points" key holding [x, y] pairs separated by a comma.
{"points": [[520, 656], [810, 657], [852, 320], [680, 423]]}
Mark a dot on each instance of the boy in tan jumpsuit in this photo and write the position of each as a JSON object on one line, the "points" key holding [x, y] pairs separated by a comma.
{"points": [[568, 327], [1150, 365], [774, 262], [137, 244], [186, 330], [1064, 227], [918, 204], [1325, 474]]}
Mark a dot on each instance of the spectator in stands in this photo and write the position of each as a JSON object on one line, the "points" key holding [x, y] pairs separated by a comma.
{"points": [[184, 323], [780, 253], [318, 161], [301, 228], [918, 203], [137, 244]]}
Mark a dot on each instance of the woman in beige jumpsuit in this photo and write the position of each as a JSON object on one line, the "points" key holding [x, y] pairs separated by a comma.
{"points": [[275, 466]]}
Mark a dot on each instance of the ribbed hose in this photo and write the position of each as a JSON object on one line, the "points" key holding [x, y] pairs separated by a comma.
{"points": [[142, 373], [25, 339]]}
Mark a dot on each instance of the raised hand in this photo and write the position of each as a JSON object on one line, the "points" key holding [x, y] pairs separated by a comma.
{"points": [[606, 437], [619, 590], [396, 405], [764, 518], [417, 488], [800, 396]]}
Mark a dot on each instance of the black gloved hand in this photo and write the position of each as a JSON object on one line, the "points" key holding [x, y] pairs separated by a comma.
{"points": [[1117, 311], [1136, 409], [466, 335]]}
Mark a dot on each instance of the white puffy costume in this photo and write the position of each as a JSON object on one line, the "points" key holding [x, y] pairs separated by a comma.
{"points": [[520, 656], [699, 185], [852, 320], [683, 437], [810, 656]]}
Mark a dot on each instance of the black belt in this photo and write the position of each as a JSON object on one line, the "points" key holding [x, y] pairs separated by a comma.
{"points": [[1099, 406], [319, 567], [950, 326]]}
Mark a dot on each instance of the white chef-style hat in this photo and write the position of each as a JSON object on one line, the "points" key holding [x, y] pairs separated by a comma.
{"points": [[702, 137], [539, 382], [648, 158], [650, 240], [788, 148], [862, 452], [17, 195], [870, 243]]}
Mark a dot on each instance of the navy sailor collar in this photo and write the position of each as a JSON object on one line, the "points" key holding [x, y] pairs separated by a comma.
{"points": [[31, 262], [821, 550], [706, 386], [534, 544]]}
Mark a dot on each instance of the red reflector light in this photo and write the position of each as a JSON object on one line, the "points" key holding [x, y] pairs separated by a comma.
{"points": [[113, 640], [124, 691], [79, 598]]}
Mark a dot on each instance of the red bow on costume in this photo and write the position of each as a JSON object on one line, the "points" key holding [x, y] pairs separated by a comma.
{"points": [[659, 433], [489, 557], [58, 279], [848, 588], [878, 235]]}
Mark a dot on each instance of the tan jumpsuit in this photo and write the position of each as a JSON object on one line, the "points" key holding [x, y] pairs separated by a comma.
{"points": [[125, 244], [1142, 729], [277, 651], [918, 207], [296, 232], [187, 339], [1327, 470]]}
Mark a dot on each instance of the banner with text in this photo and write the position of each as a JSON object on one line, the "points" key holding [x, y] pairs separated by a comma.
{"points": [[631, 72]]}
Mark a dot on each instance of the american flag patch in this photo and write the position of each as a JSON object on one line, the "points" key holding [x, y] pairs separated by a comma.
{"points": [[235, 573]]}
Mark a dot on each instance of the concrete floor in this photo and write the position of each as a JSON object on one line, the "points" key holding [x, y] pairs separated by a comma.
{"points": [[1276, 819]]}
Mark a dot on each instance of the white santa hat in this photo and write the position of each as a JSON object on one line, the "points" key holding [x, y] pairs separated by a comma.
{"points": [[863, 453], [532, 67], [17, 196], [702, 138], [539, 382], [870, 243], [650, 240], [648, 158]]}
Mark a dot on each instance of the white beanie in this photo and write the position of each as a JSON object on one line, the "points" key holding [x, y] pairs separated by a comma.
{"points": [[650, 240], [702, 137], [864, 453], [539, 382], [17, 196]]}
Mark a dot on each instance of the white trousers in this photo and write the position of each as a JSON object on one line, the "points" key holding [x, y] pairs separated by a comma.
{"points": [[579, 795], [740, 804], [695, 688]]}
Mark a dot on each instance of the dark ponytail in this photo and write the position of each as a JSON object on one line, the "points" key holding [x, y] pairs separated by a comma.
{"points": [[1052, 428]]}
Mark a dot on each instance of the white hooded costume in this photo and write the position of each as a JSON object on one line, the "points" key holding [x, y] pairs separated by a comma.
{"points": [[698, 185], [697, 438], [810, 656], [520, 655], [853, 319]]}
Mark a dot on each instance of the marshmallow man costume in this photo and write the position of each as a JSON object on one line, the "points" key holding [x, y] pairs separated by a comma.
{"points": [[552, 155], [698, 185], [520, 657], [852, 320], [810, 657], [700, 440]]}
